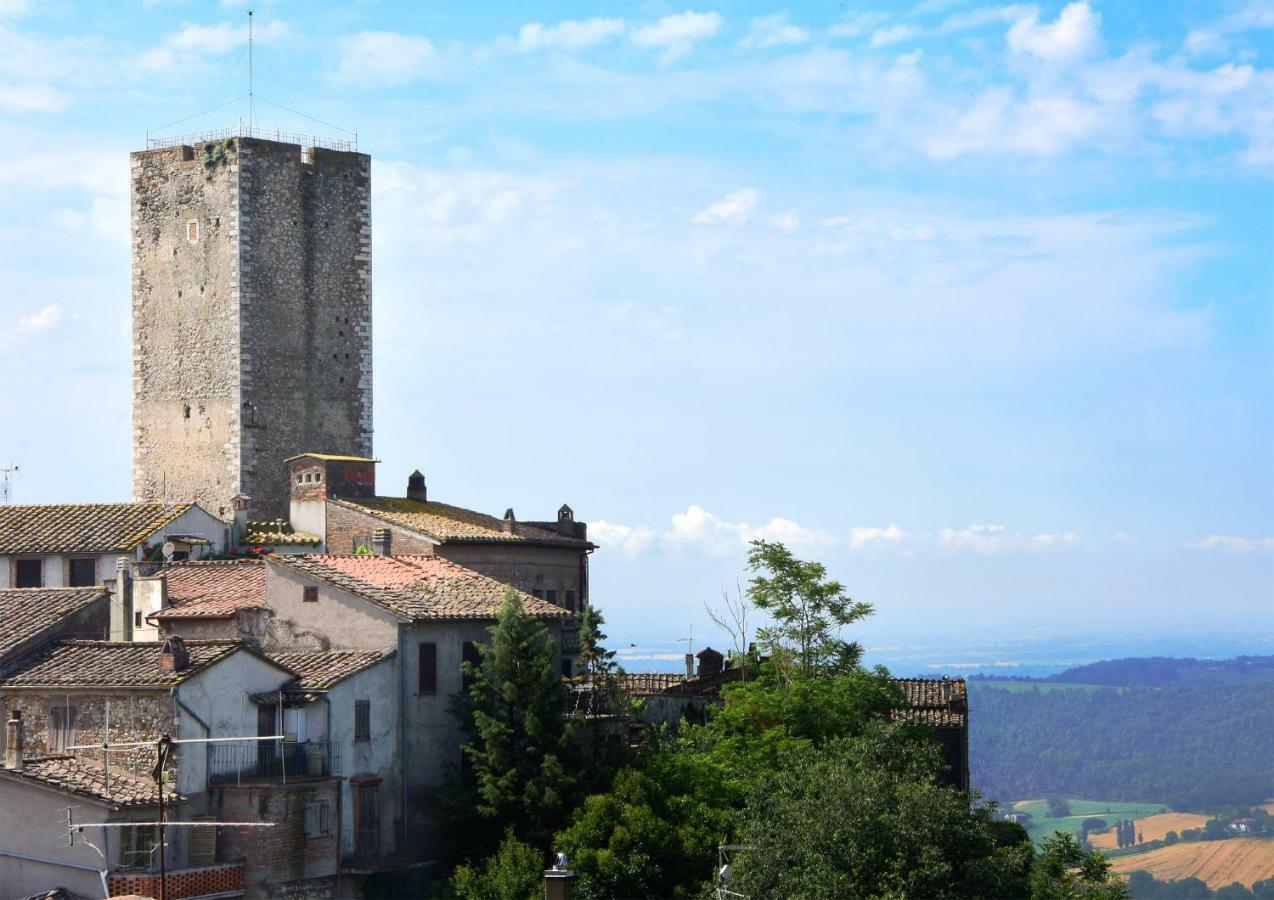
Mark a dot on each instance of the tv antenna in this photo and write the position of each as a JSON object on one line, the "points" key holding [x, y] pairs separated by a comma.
{"points": [[6, 474], [689, 640], [252, 101]]}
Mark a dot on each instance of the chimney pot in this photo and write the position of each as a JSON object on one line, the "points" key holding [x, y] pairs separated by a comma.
{"points": [[14, 743], [509, 521], [173, 656], [416, 487], [382, 542]]}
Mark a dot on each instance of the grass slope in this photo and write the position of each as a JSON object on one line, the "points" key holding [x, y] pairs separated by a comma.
{"points": [[1041, 824]]}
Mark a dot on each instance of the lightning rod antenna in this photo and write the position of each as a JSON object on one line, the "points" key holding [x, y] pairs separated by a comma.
{"points": [[252, 113], [6, 473]]}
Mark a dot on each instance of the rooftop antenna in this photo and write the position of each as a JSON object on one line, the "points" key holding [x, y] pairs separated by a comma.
{"points": [[689, 640], [6, 473], [252, 109]]}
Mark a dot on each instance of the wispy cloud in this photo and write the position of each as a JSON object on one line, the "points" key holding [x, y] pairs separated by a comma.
{"points": [[774, 31], [992, 538], [569, 34], [733, 209], [677, 34], [31, 324], [1233, 544], [385, 58], [1072, 35]]}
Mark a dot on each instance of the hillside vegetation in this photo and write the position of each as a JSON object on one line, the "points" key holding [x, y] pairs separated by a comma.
{"points": [[1193, 744]]}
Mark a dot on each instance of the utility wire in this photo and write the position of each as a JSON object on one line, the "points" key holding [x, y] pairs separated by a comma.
{"points": [[196, 115], [304, 116]]}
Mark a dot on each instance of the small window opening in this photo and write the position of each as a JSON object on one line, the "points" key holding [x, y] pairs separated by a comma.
{"points": [[185, 411], [137, 619], [179, 295], [192, 231], [310, 595]]}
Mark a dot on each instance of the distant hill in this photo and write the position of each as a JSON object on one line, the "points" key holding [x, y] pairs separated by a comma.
{"points": [[1192, 734]]}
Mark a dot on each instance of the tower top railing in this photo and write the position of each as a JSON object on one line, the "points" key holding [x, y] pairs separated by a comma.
{"points": [[247, 131]]}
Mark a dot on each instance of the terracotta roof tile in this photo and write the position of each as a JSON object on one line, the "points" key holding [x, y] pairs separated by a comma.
{"points": [[278, 534], [109, 664], [25, 612], [454, 524], [88, 779], [213, 589], [320, 670], [83, 527], [937, 702], [417, 587]]}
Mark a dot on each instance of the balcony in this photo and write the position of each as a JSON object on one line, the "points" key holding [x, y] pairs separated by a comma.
{"points": [[237, 762]]}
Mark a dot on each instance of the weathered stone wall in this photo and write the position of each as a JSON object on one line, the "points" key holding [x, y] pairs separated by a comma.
{"points": [[348, 529], [251, 317], [306, 306], [273, 857], [186, 324]]}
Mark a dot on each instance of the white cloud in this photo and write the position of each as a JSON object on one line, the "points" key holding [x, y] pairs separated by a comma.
{"points": [[678, 33], [999, 122], [987, 15], [11, 9], [385, 57], [883, 37], [31, 324], [630, 541], [786, 221], [568, 35], [858, 24], [774, 31], [214, 40], [862, 537], [20, 98], [1073, 35], [698, 529], [732, 209], [1232, 544], [992, 538]]}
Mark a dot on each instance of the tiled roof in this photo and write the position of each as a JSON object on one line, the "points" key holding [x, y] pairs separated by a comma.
{"points": [[83, 527], [417, 587], [649, 682], [937, 702], [454, 524], [213, 589], [25, 612], [320, 670], [88, 779], [331, 457], [68, 664], [278, 534]]}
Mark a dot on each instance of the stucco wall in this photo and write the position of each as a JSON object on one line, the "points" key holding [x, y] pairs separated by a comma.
{"points": [[378, 756], [33, 823], [337, 620]]}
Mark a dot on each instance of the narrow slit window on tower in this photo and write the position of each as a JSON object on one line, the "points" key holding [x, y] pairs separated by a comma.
{"points": [[192, 231], [185, 411]]}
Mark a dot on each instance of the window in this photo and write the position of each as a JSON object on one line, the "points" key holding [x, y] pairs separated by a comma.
{"points": [[298, 478], [550, 596], [137, 619], [310, 595], [428, 680], [362, 720], [472, 656], [83, 572], [192, 231], [568, 668], [318, 818], [28, 573], [61, 727], [137, 847], [294, 724], [537, 592], [367, 817], [570, 600]]}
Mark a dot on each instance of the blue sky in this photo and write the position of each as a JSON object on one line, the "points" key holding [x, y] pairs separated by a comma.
{"points": [[973, 302]]}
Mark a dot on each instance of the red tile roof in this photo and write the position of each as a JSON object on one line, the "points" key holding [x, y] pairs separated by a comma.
{"points": [[417, 587], [132, 664], [213, 590], [88, 779], [26, 612], [83, 527]]}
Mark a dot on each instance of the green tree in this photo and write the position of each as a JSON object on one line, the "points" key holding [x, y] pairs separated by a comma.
{"points": [[520, 738], [515, 872], [808, 610], [866, 816], [598, 662], [1063, 870]]}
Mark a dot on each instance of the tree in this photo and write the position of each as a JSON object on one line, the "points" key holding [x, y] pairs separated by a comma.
{"points": [[515, 872], [519, 735], [1058, 808], [605, 693], [1171, 837], [866, 817], [809, 611], [733, 620], [1064, 870]]}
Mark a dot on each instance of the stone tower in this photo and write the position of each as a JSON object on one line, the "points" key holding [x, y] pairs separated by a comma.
{"points": [[252, 317]]}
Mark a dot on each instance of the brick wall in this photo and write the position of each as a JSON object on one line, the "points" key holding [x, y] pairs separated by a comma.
{"points": [[180, 883], [282, 854], [348, 529]]}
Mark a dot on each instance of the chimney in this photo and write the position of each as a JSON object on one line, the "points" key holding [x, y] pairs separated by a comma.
{"points": [[416, 487], [566, 521], [242, 504], [509, 521], [173, 656], [14, 743], [558, 880], [690, 665], [122, 602], [382, 542]]}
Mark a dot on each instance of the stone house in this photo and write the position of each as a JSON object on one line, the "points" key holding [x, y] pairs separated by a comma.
{"points": [[30, 617], [213, 600], [81, 544], [431, 613], [43, 800]]}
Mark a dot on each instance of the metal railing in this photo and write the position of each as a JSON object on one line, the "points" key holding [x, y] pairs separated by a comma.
{"points": [[363, 843], [247, 131], [236, 762]]}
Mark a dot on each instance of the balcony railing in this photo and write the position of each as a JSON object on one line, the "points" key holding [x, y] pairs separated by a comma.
{"points": [[272, 761], [360, 844]]}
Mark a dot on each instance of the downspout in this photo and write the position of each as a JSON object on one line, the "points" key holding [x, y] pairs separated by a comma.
{"points": [[339, 789], [402, 736]]}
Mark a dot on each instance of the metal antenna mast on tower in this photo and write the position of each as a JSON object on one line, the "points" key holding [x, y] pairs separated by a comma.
{"points": [[6, 473], [252, 108]]}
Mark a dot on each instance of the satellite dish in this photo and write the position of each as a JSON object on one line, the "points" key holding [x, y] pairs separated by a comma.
{"points": [[168, 550]]}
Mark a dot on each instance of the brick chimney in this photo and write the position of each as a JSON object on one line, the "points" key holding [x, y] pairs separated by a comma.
{"points": [[173, 656], [416, 487], [382, 542], [14, 743], [509, 521]]}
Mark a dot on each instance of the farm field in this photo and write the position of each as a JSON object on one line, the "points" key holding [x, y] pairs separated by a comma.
{"points": [[1041, 824], [1218, 863], [1151, 828]]}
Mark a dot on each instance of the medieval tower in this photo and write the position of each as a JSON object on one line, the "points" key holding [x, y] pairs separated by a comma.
{"points": [[252, 317]]}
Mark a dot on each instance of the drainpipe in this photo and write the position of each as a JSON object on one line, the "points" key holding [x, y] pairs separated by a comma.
{"points": [[339, 788], [402, 736]]}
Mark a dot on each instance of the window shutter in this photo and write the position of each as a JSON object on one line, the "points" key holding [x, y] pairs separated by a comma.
{"points": [[428, 668]]}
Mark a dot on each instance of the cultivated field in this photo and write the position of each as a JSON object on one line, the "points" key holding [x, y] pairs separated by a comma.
{"points": [[1043, 825], [1151, 828], [1219, 863]]}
